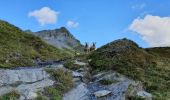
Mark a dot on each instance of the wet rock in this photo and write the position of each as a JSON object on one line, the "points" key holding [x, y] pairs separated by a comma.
{"points": [[102, 93]]}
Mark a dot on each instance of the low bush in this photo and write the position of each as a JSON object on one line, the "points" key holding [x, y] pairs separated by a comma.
{"points": [[10, 96], [64, 82]]}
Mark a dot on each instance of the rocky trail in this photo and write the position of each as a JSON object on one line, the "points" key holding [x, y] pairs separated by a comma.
{"points": [[28, 81], [95, 90]]}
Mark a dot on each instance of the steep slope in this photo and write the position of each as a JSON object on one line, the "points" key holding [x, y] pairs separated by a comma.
{"points": [[150, 66], [61, 38], [18, 48]]}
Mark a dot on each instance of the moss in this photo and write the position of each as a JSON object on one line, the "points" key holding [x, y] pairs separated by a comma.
{"points": [[10, 96]]}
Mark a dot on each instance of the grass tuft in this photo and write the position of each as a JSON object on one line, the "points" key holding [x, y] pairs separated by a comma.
{"points": [[10, 96]]}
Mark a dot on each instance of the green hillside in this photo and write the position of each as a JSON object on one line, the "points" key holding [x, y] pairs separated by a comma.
{"points": [[151, 66], [18, 48]]}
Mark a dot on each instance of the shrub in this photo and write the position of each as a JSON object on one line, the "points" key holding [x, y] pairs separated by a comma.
{"points": [[10, 96], [64, 81], [70, 65]]}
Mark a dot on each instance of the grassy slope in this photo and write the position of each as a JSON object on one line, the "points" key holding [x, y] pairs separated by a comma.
{"points": [[18, 48], [151, 66]]}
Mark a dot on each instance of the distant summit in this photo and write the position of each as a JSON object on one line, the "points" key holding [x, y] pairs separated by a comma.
{"points": [[60, 38]]}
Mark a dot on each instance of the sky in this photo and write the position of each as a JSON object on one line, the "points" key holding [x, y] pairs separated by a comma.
{"points": [[146, 22]]}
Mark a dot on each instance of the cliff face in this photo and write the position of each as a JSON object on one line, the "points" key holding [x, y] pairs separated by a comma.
{"points": [[60, 38]]}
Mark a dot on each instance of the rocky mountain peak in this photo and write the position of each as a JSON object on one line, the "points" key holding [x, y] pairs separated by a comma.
{"points": [[61, 38]]}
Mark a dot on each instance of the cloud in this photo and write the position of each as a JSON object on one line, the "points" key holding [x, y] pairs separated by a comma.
{"points": [[155, 30], [45, 15], [139, 6], [72, 24]]}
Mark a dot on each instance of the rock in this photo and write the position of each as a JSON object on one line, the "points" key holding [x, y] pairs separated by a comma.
{"points": [[29, 95], [144, 94], [5, 90], [76, 74], [8, 77], [26, 81], [77, 93], [102, 93], [22, 98], [80, 63]]}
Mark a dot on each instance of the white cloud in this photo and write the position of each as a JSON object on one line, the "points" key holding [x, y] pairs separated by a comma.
{"points": [[155, 30], [45, 15], [139, 6], [72, 24]]}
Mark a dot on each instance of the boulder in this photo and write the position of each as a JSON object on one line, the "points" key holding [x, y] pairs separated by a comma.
{"points": [[145, 95]]}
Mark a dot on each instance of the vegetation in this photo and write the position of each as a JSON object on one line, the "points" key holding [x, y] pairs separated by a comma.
{"points": [[64, 83], [150, 66], [70, 64], [10, 96], [18, 48], [40, 97]]}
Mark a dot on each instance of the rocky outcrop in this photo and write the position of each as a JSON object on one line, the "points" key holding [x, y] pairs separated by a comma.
{"points": [[78, 93], [26, 81], [94, 90], [9, 77]]}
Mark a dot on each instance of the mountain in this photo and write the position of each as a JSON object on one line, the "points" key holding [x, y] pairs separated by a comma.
{"points": [[18, 48], [151, 66], [61, 38]]}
